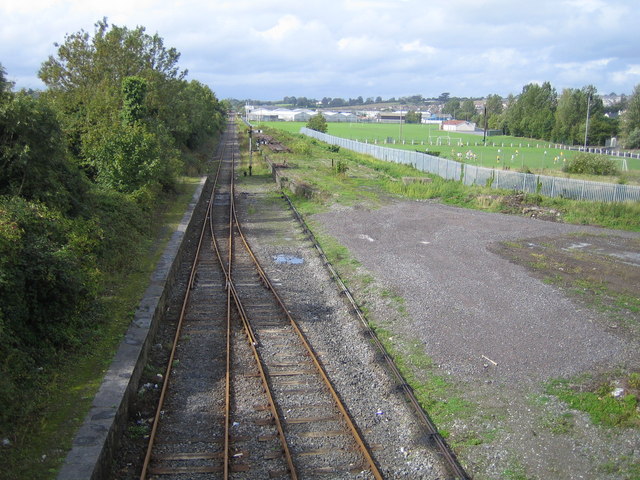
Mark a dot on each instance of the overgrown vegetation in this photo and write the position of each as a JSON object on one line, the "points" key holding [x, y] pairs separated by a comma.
{"points": [[591, 164], [86, 167], [367, 173]]}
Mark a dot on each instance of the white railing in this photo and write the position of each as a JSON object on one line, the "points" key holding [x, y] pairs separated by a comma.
{"points": [[474, 175]]}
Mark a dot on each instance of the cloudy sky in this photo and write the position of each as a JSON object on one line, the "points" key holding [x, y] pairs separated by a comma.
{"points": [[268, 49]]}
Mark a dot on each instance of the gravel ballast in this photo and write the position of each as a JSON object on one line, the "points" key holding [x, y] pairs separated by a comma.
{"points": [[293, 265]]}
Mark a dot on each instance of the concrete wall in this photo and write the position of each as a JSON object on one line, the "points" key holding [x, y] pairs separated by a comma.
{"points": [[95, 442]]}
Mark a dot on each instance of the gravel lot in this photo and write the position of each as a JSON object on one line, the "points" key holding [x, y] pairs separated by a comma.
{"points": [[496, 330]]}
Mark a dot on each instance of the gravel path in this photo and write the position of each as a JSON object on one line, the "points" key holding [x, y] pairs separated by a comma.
{"points": [[464, 302]]}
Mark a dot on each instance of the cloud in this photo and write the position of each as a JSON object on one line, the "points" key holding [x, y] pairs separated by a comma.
{"points": [[286, 26], [355, 47]]}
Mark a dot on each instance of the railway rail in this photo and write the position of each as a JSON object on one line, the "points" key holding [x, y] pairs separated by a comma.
{"points": [[244, 394]]}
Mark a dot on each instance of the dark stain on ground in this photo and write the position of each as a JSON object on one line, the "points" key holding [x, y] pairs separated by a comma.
{"points": [[600, 271]]}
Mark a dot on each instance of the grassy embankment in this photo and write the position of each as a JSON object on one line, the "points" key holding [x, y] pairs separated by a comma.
{"points": [[521, 154], [38, 443], [348, 178]]}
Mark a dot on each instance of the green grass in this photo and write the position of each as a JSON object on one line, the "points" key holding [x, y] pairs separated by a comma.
{"points": [[597, 401], [40, 443], [367, 179], [501, 151]]}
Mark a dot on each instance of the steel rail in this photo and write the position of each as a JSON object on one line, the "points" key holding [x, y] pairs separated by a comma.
{"points": [[250, 335], [319, 367], [165, 383], [431, 428]]}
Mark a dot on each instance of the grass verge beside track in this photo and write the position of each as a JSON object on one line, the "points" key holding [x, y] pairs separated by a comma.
{"points": [[39, 445]]}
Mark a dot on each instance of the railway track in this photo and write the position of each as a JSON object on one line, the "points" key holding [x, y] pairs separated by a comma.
{"points": [[244, 395]]}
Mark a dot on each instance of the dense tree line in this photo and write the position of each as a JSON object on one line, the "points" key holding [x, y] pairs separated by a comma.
{"points": [[539, 112], [82, 164]]}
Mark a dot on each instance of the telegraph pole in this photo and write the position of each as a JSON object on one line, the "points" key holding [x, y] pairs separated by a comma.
{"points": [[586, 127]]}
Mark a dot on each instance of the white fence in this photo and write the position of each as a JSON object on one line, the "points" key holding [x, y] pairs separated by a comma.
{"points": [[474, 175]]}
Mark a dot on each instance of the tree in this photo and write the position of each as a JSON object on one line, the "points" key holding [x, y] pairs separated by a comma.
{"points": [[5, 85], [33, 161], [571, 118], [134, 90], [118, 74], [467, 110], [631, 118], [532, 114], [413, 117], [318, 123], [452, 107]]}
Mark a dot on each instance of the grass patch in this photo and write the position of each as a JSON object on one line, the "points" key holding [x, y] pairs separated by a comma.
{"points": [[596, 399], [368, 180], [434, 393]]}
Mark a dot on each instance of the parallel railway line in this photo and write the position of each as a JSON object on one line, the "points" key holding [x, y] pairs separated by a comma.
{"points": [[244, 395]]}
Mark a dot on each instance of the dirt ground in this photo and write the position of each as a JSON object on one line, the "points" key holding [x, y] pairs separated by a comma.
{"points": [[502, 304]]}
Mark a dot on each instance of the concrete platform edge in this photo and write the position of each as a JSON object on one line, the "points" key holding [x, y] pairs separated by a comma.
{"points": [[94, 444]]}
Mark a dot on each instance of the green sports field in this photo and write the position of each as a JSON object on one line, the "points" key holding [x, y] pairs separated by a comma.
{"points": [[499, 151]]}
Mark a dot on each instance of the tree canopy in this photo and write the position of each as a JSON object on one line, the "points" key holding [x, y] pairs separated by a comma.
{"points": [[125, 105], [318, 123], [81, 166]]}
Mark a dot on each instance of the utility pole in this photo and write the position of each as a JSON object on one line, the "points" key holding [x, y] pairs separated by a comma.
{"points": [[484, 137], [250, 150], [586, 127]]}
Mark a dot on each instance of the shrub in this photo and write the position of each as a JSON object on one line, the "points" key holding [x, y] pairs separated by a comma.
{"points": [[301, 147], [591, 164]]}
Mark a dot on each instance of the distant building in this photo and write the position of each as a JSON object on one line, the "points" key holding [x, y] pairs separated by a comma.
{"points": [[458, 126], [436, 118], [339, 116], [391, 117]]}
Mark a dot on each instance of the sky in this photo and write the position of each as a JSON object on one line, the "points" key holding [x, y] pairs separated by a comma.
{"points": [[268, 49]]}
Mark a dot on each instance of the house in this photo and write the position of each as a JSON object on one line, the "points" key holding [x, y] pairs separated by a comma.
{"points": [[458, 126]]}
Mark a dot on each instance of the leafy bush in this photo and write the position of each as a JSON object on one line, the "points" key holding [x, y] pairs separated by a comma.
{"points": [[591, 164], [340, 167], [301, 147]]}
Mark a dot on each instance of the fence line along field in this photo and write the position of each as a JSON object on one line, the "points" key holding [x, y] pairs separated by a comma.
{"points": [[499, 152]]}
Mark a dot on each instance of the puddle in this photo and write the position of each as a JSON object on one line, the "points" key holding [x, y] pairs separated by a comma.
{"points": [[574, 246], [290, 259], [631, 258]]}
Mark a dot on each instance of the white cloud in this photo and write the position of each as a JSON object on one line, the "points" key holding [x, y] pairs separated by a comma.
{"points": [[286, 26], [355, 47], [417, 47]]}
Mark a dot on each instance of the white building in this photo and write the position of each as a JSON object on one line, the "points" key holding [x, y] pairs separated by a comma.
{"points": [[458, 126]]}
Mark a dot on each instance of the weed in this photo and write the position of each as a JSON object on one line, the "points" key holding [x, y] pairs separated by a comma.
{"points": [[598, 402], [138, 430], [515, 472]]}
